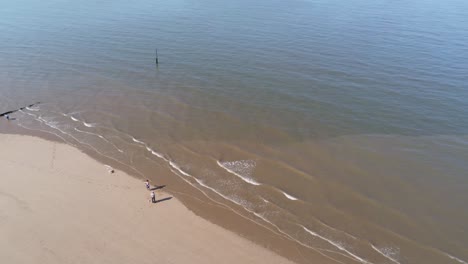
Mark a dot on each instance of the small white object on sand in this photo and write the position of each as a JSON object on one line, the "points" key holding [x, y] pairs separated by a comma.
{"points": [[109, 169]]}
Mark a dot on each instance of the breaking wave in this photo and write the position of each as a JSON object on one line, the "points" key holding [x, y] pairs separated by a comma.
{"points": [[176, 167], [457, 259], [335, 244], [89, 124], [290, 197], [240, 168], [32, 109], [138, 141], [388, 252]]}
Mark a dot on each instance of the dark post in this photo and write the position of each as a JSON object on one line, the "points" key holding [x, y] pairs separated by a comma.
{"points": [[157, 62]]}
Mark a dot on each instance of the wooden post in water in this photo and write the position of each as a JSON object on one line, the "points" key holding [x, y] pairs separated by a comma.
{"points": [[157, 62]]}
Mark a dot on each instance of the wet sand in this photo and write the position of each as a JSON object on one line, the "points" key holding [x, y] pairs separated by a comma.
{"points": [[61, 206]]}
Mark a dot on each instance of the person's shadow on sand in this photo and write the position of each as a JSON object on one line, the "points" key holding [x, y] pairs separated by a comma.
{"points": [[163, 199], [157, 187]]}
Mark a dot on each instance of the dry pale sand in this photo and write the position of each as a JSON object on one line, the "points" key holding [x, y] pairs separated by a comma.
{"points": [[57, 205]]}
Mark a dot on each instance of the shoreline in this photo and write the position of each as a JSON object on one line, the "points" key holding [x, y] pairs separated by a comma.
{"points": [[64, 206], [226, 215], [218, 210], [197, 202]]}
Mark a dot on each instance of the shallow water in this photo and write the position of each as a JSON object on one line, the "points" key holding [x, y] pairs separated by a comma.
{"points": [[342, 126]]}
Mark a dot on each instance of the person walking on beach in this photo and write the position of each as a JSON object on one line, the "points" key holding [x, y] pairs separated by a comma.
{"points": [[153, 197], [147, 184]]}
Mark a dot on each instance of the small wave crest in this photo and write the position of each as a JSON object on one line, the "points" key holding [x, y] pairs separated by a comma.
{"points": [[89, 124], [337, 230], [71, 113], [74, 119], [237, 200], [240, 168], [178, 171], [33, 115], [177, 167], [263, 218], [97, 135], [149, 149], [32, 108], [216, 191], [100, 136], [157, 154], [335, 244], [290, 197], [457, 259], [138, 141], [388, 252]]}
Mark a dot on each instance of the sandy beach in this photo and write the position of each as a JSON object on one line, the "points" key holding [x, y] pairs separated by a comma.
{"points": [[58, 205]]}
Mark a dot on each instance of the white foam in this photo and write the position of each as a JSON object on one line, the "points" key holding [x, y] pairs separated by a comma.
{"points": [[200, 182], [258, 215], [336, 244], [102, 154], [235, 211], [155, 153], [54, 125], [215, 191], [240, 168], [455, 258], [236, 202], [388, 252], [263, 218], [74, 119], [100, 136], [89, 124], [290, 197], [33, 115], [159, 155], [138, 141], [32, 109], [45, 131], [179, 170], [337, 230], [175, 166], [265, 200], [70, 114], [94, 134]]}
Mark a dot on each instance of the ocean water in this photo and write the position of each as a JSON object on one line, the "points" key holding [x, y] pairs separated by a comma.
{"points": [[341, 126]]}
